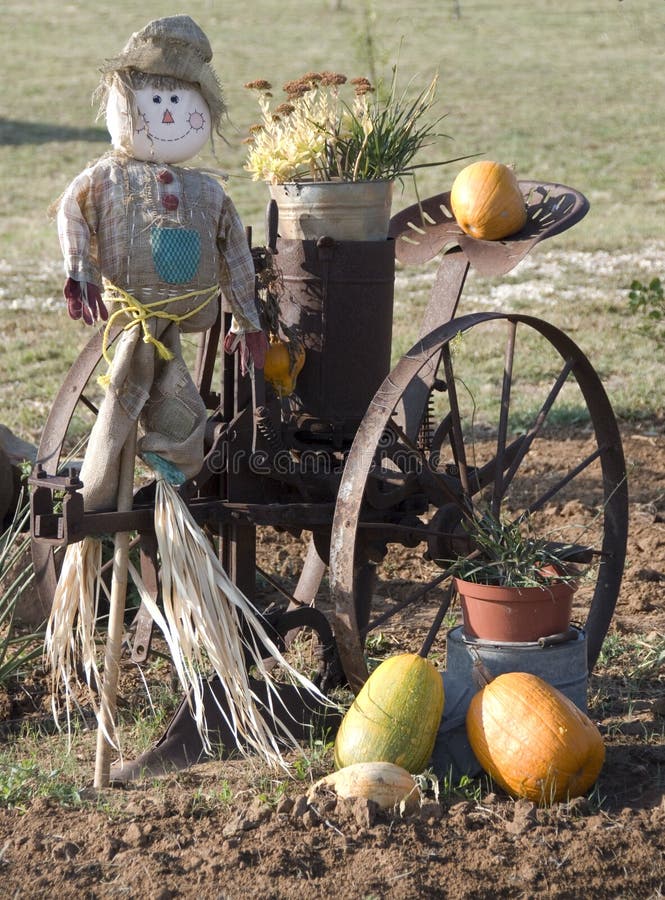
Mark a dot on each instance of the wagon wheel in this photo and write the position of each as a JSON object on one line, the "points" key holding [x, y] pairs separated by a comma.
{"points": [[62, 446], [408, 470]]}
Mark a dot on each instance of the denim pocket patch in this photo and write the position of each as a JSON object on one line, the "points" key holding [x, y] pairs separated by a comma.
{"points": [[176, 253]]}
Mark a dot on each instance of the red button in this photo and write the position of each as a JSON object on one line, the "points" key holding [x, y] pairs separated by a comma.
{"points": [[165, 176], [170, 201]]}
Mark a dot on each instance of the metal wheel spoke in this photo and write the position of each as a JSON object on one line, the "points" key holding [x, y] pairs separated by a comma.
{"points": [[527, 440], [275, 585], [498, 490], [94, 409], [436, 476], [436, 624], [397, 528], [514, 453], [486, 474], [457, 439], [408, 601], [562, 482]]}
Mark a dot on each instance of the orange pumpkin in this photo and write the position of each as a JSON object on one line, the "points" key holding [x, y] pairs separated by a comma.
{"points": [[487, 202], [533, 740]]}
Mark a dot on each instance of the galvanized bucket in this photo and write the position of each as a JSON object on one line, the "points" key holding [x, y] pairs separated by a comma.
{"points": [[563, 665], [342, 210]]}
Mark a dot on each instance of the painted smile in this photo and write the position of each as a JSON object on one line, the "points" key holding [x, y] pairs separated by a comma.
{"points": [[195, 121]]}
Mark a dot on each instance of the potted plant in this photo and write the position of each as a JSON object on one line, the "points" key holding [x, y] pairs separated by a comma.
{"points": [[335, 147], [513, 586]]}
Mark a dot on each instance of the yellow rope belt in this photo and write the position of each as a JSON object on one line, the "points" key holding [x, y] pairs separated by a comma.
{"points": [[140, 313]]}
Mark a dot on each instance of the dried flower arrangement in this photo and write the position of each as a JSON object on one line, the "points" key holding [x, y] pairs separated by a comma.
{"points": [[317, 134]]}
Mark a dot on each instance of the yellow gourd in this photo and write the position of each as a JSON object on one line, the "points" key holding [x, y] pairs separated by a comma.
{"points": [[487, 202], [283, 363], [533, 740]]}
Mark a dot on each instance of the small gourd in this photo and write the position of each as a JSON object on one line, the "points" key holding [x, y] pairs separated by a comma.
{"points": [[532, 740], [395, 717], [389, 786], [487, 202], [283, 363]]}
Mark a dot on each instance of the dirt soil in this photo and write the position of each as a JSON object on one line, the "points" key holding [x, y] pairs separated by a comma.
{"points": [[229, 829]]}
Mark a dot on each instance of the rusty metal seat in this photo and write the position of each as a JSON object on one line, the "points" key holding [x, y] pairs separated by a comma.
{"points": [[421, 231]]}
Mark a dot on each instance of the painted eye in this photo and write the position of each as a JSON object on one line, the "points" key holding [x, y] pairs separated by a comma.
{"points": [[156, 98], [175, 98]]}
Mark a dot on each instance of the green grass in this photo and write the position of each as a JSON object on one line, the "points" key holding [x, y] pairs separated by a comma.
{"points": [[27, 779], [627, 680], [634, 658], [33, 765], [568, 91]]}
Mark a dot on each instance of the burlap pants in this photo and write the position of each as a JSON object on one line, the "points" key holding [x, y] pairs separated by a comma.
{"points": [[160, 395]]}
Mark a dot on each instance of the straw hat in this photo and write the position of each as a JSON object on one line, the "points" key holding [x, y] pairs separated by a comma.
{"points": [[173, 47]]}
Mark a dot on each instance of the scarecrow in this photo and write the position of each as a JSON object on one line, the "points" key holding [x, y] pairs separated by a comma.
{"points": [[155, 241], [160, 240]]}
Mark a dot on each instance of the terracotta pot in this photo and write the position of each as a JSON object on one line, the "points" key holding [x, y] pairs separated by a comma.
{"points": [[498, 613]]}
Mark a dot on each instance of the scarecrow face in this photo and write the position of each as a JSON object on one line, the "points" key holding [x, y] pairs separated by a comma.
{"points": [[169, 126]]}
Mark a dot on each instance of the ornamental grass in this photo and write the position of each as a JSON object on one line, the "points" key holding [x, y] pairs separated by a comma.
{"points": [[18, 649]]}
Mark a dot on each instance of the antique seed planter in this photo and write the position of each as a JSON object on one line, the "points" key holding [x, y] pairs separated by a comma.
{"points": [[361, 457]]}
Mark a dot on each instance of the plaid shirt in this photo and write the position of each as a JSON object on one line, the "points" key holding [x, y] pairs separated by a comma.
{"points": [[111, 215]]}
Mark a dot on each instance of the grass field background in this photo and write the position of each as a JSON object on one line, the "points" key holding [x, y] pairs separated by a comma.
{"points": [[570, 91]]}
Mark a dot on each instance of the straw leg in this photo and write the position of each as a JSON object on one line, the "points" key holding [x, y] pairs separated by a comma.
{"points": [[107, 710]]}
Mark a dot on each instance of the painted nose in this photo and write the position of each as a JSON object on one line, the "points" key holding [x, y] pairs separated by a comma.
{"points": [[167, 118]]}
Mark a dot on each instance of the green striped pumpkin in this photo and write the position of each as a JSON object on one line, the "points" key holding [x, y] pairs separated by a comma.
{"points": [[395, 717]]}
